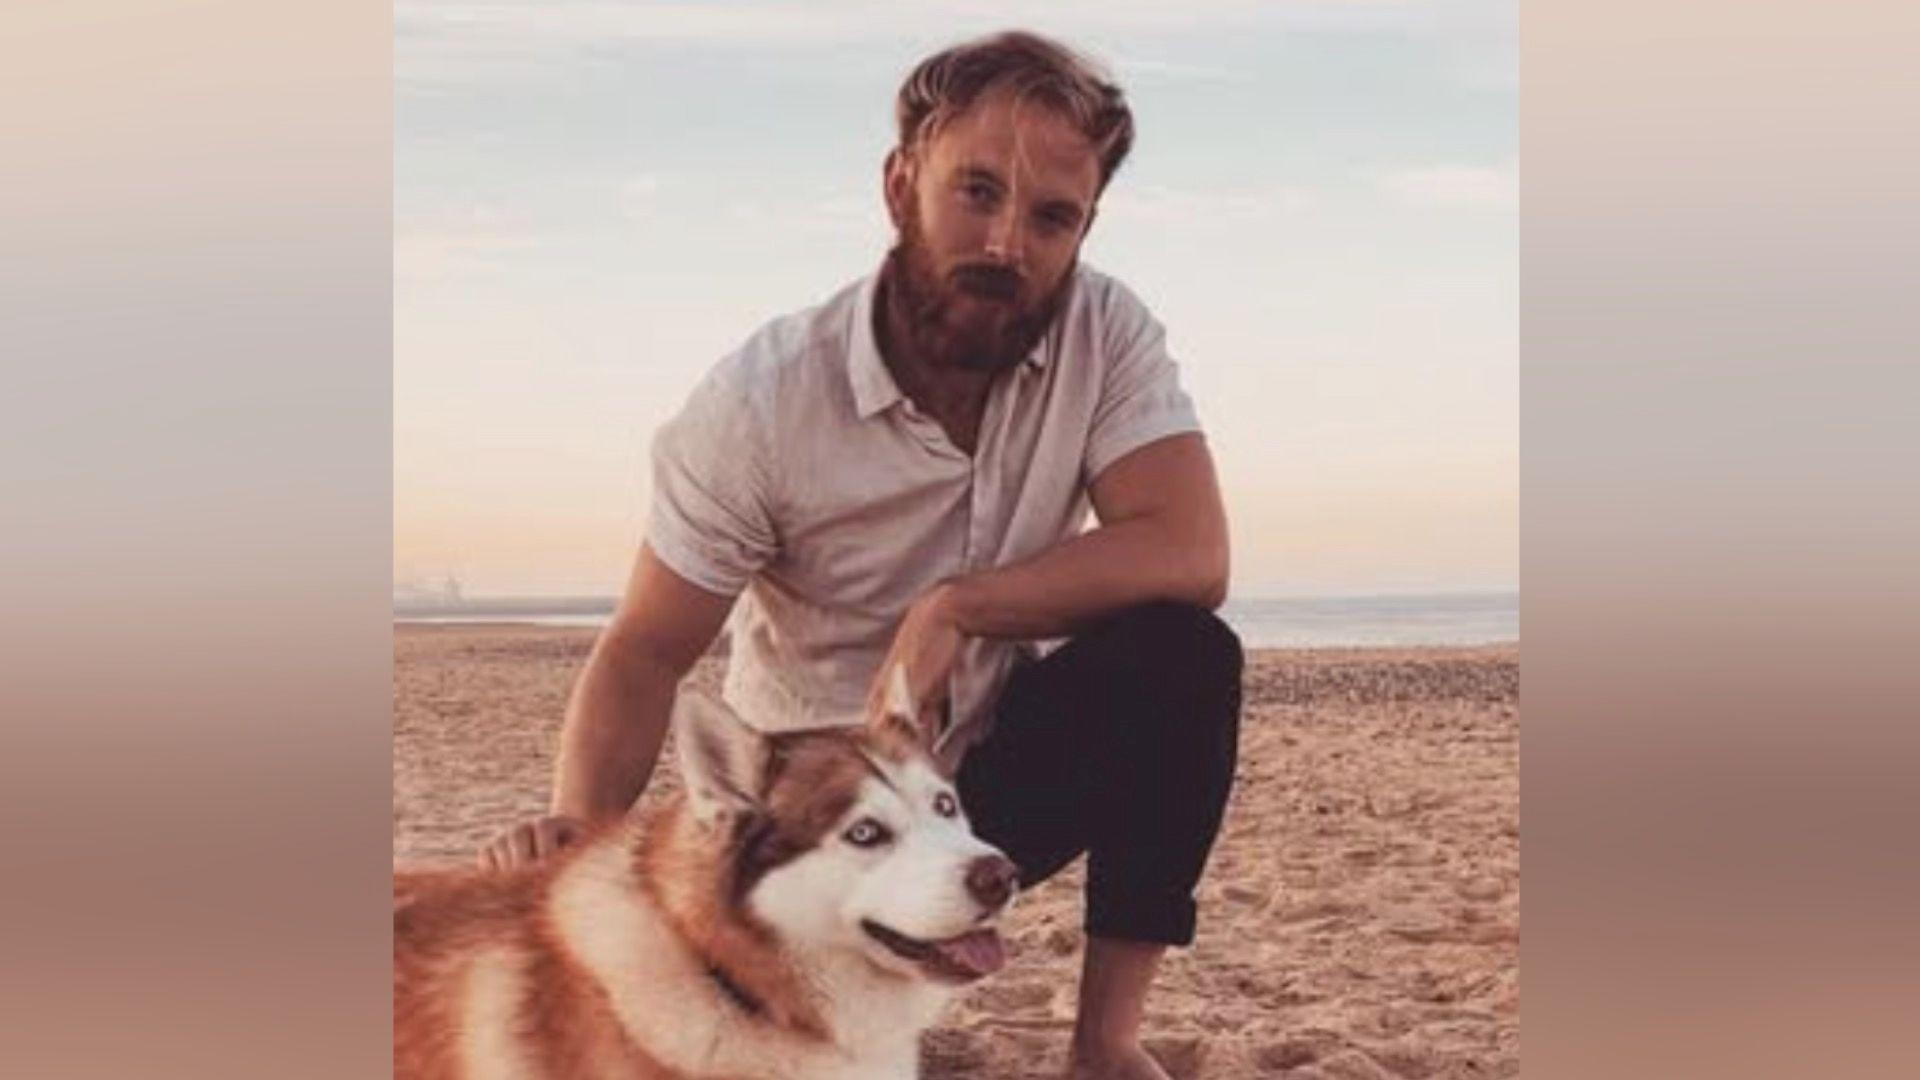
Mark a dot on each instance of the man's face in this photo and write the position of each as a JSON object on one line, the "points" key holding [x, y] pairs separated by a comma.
{"points": [[991, 212]]}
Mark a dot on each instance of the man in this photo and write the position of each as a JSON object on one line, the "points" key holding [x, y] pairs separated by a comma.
{"points": [[901, 475]]}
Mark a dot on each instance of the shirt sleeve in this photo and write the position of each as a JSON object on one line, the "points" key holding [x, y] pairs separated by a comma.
{"points": [[1141, 400], [709, 518]]}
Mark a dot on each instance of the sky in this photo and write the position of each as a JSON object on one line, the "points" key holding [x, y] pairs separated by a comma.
{"points": [[595, 202]]}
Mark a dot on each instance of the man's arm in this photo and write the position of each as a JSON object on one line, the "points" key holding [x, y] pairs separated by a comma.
{"points": [[1162, 536], [617, 717]]}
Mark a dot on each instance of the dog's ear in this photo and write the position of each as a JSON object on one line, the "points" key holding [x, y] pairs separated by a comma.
{"points": [[897, 714], [722, 760]]}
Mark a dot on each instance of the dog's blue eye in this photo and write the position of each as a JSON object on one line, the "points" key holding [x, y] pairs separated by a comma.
{"points": [[944, 805], [867, 833]]}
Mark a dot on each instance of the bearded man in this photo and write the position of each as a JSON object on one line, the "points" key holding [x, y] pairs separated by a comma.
{"points": [[902, 474]]}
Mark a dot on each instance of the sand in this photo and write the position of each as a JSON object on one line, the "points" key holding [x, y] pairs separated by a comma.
{"points": [[1359, 919]]}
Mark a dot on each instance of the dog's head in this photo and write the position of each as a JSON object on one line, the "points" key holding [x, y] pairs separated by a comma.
{"points": [[847, 840]]}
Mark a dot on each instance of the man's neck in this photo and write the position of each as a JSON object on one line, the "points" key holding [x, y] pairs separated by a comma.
{"points": [[955, 396]]}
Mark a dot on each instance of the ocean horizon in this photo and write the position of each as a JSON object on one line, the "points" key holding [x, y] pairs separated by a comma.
{"points": [[1411, 619]]}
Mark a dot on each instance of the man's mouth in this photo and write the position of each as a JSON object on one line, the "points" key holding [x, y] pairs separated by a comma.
{"points": [[985, 304], [1000, 288], [963, 958]]}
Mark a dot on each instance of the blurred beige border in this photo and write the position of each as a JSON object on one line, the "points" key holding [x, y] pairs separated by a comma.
{"points": [[195, 363], [1720, 262]]}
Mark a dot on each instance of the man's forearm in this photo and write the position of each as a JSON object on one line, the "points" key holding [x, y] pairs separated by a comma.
{"points": [[1053, 593], [616, 722]]}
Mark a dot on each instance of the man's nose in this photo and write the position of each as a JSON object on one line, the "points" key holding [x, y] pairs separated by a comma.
{"points": [[1006, 240], [990, 879]]}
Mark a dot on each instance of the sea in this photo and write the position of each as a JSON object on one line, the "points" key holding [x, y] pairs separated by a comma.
{"points": [[1262, 623]]}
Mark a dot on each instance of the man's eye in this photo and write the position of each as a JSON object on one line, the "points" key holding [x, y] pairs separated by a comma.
{"points": [[944, 805], [979, 192], [867, 833]]}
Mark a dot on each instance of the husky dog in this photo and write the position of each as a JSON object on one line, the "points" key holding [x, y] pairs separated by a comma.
{"points": [[802, 912]]}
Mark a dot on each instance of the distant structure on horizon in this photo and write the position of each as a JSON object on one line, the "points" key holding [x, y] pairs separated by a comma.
{"points": [[416, 594], [414, 599]]}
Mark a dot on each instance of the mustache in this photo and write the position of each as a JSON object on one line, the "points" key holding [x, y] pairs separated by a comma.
{"points": [[993, 282]]}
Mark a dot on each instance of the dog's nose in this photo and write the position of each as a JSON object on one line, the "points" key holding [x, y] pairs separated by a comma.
{"points": [[990, 879]]}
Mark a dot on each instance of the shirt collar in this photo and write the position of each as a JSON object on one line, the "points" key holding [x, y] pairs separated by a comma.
{"points": [[873, 387], [874, 390]]}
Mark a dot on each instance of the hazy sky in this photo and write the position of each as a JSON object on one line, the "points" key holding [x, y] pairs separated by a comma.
{"points": [[595, 201]]}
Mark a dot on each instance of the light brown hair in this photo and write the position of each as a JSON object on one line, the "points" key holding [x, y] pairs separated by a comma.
{"points": [[1030, 67]]}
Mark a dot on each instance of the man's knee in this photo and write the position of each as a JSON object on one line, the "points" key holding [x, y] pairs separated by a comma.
{"points": [[1175, 668], [1168, 638]]}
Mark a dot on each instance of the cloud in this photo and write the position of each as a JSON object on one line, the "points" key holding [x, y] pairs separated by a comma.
{"points": [[640, 197], [758, 21], [1163, 207], [460, 240], [825, 213], [443, 42], [1454, 185], [1135, 68]]}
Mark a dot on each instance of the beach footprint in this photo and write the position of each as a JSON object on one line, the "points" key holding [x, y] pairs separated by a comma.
{"points": [[1014, 996]]}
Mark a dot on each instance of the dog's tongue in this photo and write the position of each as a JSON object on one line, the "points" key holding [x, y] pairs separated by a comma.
{"points": [[977, 953]]}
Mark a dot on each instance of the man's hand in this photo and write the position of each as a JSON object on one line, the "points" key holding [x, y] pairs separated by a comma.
{"points": [[927, 646], [529, 842]]}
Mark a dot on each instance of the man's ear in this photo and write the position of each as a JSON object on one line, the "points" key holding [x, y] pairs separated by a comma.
{"points": [[722, 760], [896, 185]]}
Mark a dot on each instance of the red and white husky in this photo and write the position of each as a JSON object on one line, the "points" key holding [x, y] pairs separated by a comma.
{"points": [[803, 912]]}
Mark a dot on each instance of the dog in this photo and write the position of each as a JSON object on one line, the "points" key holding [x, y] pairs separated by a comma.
{"points": [[802, 910]]}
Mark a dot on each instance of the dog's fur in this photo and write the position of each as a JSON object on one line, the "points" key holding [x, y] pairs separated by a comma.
{"points": [[730, 935]]}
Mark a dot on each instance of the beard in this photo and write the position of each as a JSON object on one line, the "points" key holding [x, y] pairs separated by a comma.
{"points": [[980, 316]]}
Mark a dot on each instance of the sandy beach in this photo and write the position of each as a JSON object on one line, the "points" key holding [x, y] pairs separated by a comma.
{"points": [[1359, 919]]}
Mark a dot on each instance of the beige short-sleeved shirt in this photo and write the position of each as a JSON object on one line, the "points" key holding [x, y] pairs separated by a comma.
{"points": [[800, 477]]}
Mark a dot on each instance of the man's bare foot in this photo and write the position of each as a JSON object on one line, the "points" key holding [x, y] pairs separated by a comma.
{"points": [[1127, 1062]]}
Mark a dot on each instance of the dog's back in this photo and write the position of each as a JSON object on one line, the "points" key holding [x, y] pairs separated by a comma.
{"points": [[443, 921], [482, 988]]}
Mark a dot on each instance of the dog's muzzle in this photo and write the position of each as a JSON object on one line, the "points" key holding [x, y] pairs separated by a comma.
{"points": [[963, 958]]}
